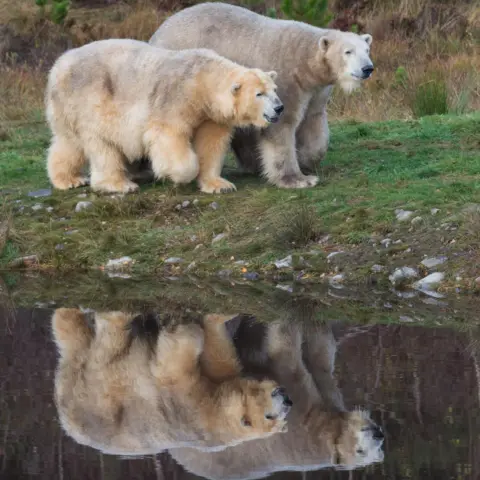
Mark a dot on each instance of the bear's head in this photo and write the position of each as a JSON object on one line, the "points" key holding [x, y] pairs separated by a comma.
{"points": [[346, 57], [254, 99], [359, 441], [255, 409]]}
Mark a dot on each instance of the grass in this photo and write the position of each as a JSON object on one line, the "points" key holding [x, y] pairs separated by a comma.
{"points": [[371, 170]]}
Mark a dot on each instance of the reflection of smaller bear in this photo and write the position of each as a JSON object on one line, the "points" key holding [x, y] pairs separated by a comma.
{"points": [[127, 387], [115, 101]]}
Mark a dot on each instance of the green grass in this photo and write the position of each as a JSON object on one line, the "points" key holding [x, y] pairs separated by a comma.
{"points": [[370, 170]]}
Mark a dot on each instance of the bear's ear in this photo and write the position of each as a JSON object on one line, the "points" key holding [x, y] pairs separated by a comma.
{"points": [[324, 43], [273, 75], [236, 87], [368, 38]]}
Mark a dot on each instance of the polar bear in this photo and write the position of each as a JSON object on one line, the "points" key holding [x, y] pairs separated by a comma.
{"points": [[321, 431], [116, 101], [309, 61], [125, 386]]}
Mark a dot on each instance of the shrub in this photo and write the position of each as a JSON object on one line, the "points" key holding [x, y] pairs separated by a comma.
{"points": [[430, 98], [314, 12], [58, 10]]}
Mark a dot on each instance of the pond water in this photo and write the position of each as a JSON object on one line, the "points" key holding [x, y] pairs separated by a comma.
{"points": [[414, 365]]}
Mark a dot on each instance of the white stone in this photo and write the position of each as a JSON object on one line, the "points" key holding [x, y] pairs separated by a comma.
{"points": [[83, 206]]}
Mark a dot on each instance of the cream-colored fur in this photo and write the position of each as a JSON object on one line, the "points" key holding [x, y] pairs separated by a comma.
{"points": [[321, 432], [308, 60], [126, 394], [114, 101]]}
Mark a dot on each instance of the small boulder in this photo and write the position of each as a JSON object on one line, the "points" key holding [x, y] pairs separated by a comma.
{"points": [[416, 221], [403, 215], [83, 206], [37, 207], [185, 203], [251, 276], [119, 263], [173, 260], [430, 282], [433, 262], [44, 192], [434, 211], [377, 268], [218, 237], [214, 206], [284, 262], [402, 275]]}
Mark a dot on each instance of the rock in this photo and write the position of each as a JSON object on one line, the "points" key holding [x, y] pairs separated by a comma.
{"points": [[285, 288], [433, 301], [251, 276], [405, 319], [402, 275], [60, 246], [377, 268], [173, 260], [477, 281], [118, 275], [284, 262], [336, 279], [416, 220], [434, 261], [198, 247], [190, 266], [185, 203], [386, 242], [193, 238], [37, 207], [403, 215], [332, 254], [119, 263], [430, 282], [49, 209], [224, 273], [434, 211], [241, 263], [83, 206], [218, 237], [214, 206], [397, 242], [82, 195], [44, 192], [71, 232], [178, 207], [195, 202], [324, 239], [27, 261]]}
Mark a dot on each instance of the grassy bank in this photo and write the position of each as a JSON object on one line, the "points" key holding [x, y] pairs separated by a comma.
{"points": [[371, 170]]}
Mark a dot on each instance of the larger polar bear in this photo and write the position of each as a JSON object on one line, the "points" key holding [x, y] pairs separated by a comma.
{"points": [[322, 433], [125, 386], [114, 101], [309, 61]]}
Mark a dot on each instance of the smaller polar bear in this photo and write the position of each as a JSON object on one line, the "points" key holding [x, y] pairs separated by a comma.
{"points": [[309, 61], [126, 387], [116, 101]]}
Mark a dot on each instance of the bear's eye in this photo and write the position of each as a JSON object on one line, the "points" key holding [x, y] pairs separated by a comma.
{"points": [[269, 416], [259, 94], [246, 422], [360, 451], [348, 52]]}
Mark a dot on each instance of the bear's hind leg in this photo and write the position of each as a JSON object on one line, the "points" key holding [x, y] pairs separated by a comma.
{"points": [[64, 164], [171, 155], [211, 143], [108, 168], [71, 332]]}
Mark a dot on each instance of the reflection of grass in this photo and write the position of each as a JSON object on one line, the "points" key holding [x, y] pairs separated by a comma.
{"points": [[370, 170], [307, 303]]}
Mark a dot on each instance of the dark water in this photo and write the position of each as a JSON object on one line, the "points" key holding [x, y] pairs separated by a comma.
{"points": [[419, 377]]}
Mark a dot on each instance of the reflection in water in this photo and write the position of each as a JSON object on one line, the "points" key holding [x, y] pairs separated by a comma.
{"points": [[127, 387], [421, 385]]}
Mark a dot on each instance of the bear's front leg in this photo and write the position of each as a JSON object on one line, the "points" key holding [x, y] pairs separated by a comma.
{"points": [[279, 158], [211, 143]]}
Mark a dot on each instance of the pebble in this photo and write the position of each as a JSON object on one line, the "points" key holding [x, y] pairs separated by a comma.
{"points": [[434, 211], [185, 203], [190, 266], [284, 262], [377, 268], [178, 207], [49, 209], [430, 282], [241, 263], [193, 238], [37, 207], [336, 279], [214, 206], [83, 206], [251, 276], [403, 274], [44, 192], [417, 220], [403, 215], [333, 254], [82, 195], [224, 273], [71, 232], [173, 260], [405, 319], [198, 247], [118, 275], [60, 246], [285, 288], [218, 237], [386, 242], [397, 242], [119, 263], [195, 202], [433, 261]]}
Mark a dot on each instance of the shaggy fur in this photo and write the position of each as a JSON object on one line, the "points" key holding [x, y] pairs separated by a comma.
{"points": [[309, 61], [321, 432], [116, 101], [126, 387]]}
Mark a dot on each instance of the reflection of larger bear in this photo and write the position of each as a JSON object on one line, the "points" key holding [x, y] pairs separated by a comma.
{"points": [[321, 431], [308, 60], [124, 387], [115, 101]]}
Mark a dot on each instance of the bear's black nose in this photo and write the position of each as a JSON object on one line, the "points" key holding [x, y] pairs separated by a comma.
{"points": [[367, 71], [279, 109]]}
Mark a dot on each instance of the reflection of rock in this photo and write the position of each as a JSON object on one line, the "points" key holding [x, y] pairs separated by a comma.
{"points": [[402, 276]]}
